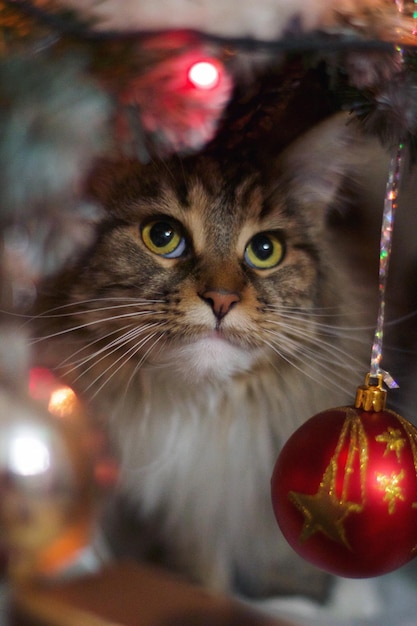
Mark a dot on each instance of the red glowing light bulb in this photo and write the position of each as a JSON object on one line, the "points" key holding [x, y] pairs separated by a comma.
{"points": [[204, 74]]}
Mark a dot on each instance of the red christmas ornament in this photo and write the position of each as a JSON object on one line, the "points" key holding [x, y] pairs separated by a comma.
{"points": [[344, 488]]}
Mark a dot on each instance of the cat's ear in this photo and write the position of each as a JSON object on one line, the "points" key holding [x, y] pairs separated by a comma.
{"points": [[315, 165]]}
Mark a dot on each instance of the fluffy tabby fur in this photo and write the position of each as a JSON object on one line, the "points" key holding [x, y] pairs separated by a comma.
{"points": [[198, 404]]}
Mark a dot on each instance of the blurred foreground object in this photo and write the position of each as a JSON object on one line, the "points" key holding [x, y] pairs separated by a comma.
{"points": [[53, 468], [128, 594]]}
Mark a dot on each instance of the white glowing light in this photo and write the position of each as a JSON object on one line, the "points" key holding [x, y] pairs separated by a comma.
{"points": [[204, 74], [29, 456]]}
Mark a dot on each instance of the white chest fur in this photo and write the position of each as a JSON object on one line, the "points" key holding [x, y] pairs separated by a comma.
{"points": [[199, 459]]}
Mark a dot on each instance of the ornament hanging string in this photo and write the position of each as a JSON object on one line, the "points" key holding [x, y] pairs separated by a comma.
{"points": [[390, 206]]}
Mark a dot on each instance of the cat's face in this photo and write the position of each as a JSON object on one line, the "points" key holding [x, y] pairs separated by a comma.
{"points": [[204, 268]]}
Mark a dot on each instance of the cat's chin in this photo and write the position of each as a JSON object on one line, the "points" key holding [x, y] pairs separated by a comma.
{"points": [[209, 358]]}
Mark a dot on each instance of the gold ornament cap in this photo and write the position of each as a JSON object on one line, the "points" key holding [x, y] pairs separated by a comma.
{"points": [[371, 396]]}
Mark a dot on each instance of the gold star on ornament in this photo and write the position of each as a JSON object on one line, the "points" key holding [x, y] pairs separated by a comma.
{"points": [[324, 512], [393, 491], [394, 440]]}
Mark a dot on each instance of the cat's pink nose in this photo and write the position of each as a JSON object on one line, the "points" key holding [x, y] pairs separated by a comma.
{"points": [[220, 300]]}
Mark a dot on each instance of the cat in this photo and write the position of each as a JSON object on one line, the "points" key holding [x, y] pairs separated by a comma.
{"points": [[215, 312]]}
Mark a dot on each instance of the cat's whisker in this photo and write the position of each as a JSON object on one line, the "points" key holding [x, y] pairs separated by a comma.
{"points": [[341, 331], [313, 375], [87, 347], [52, 312], [336, 368], [320, 350], [310, 359], [289, 313], [122, 360], [315, 312], [318, 340], [115, 346], [330, 311], [131, 314], [126, 302], [291, 361], [352, 333], [312, 316], [139, 364]]}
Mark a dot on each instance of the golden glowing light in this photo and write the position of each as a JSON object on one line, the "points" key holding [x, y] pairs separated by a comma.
{"points": [[62, 402]]}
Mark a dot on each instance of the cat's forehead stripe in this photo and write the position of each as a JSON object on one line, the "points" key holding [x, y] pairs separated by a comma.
{"points": [[212, 209]]}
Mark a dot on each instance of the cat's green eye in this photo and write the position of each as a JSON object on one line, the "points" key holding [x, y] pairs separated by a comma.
{"points": [[264, 251], [165, 238]]}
